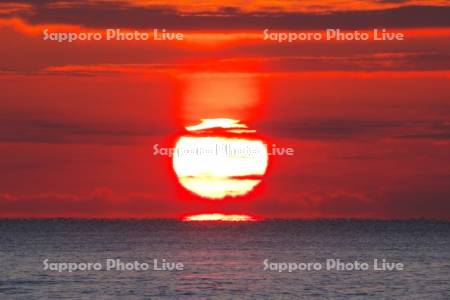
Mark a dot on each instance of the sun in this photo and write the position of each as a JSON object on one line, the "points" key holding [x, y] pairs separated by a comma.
{"points": [[217, 217], [219, 158]]}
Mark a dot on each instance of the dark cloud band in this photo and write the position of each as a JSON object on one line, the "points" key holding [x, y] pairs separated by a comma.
{"points": [[122, 14]]}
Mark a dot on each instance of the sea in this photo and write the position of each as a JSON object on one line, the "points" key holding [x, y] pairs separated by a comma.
{"points": [[270, 259]]}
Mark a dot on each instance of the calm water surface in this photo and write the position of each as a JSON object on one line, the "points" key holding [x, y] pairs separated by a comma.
{"points": [[223, 260]]}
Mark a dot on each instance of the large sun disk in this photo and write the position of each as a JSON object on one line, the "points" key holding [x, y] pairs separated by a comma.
{"points": [[219, 166]]}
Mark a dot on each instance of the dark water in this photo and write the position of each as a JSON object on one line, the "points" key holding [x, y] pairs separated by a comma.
{"points": [[224, 261]]}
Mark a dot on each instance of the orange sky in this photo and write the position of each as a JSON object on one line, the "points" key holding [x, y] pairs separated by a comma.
{"points": [[369, 120]]}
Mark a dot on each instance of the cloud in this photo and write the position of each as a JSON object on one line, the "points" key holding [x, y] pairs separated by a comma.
{"points": [[327, 129], [101, 203], [432, 131], [357, 129], [125, 14], [394, 203], [274, 64], [392, 1], [72, 132], [357, 62], [422, 50]]}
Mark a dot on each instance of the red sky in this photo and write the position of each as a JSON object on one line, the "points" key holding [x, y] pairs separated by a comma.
{"points": [[369, 121]]}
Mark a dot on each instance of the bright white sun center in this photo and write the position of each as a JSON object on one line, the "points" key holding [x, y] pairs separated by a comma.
{"points": [[219, 166]]}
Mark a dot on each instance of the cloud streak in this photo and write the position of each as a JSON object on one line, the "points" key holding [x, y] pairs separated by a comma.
{"points": [[125, 14], [343, 129], [395, 203], [72, 132]]}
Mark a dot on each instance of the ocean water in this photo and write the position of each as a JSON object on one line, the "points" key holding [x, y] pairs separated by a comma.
{"points": [[224, 260]]}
